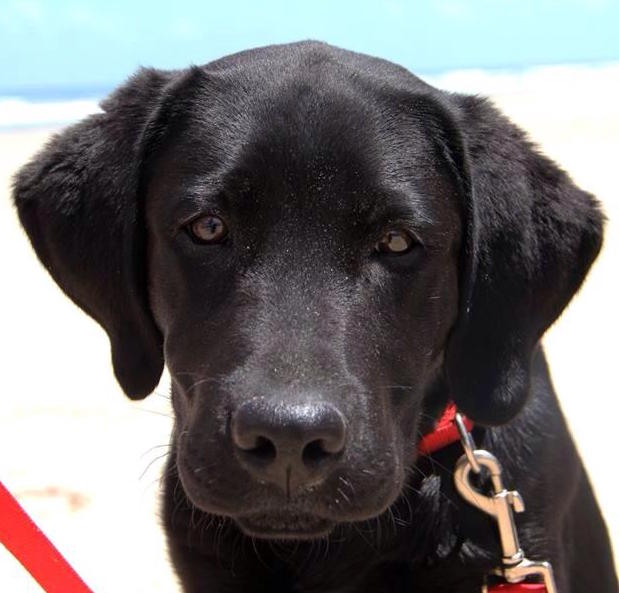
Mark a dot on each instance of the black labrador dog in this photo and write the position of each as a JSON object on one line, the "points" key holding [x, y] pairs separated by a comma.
{"points": [[324, 250]]}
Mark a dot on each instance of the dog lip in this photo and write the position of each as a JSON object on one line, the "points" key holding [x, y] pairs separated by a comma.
{"points": [[285, 525]]}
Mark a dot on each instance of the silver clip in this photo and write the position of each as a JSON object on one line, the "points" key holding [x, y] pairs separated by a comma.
{"points": [[501, 505]]}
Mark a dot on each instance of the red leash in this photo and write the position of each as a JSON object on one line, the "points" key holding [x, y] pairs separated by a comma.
{"points": [[43, 561], [37, 554]]}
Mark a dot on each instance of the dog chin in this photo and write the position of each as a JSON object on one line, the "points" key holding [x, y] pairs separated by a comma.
{"points": [[285, 526]]}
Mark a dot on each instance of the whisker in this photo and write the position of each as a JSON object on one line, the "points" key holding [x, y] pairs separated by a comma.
{"points": [[152, 462], [163, 395], [153, 448], [341, 493]]}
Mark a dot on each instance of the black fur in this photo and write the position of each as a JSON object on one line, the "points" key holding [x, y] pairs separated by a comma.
{"points": [[310, 154]]}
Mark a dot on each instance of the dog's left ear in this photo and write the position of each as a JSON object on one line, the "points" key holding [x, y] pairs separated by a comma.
{"points": [[530, 238], [78, 201]]}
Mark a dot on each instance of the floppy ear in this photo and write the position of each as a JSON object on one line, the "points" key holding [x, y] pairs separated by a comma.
{"points": [[78, 201], [531, 236]]}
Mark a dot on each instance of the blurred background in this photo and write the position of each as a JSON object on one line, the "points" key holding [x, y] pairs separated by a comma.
{"points": [[84, 460]]}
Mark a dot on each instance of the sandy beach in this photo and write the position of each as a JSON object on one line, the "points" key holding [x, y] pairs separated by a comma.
{"points": [[85, 461]]}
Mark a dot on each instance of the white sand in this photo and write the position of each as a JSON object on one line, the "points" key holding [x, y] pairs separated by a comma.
{"points": [[78, 454]]}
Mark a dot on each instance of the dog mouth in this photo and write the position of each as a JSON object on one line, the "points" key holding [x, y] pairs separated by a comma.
{"points": [[285, 525]]}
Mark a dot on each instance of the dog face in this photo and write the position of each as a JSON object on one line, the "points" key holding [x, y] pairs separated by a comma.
{"points": [[324, 250], [303, 272]]}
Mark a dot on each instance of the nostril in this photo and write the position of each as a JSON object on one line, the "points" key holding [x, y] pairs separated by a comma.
{"points": [[315, 452], [263, 450], [271, 438]]}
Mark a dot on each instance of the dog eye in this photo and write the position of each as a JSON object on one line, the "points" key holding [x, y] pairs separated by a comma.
{"points": [[395, 243], [208, 229]]}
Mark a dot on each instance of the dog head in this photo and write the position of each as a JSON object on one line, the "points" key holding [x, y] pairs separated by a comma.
{"points": [[323, 250]]}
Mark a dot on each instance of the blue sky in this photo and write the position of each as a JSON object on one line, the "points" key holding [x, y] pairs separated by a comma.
{"points": [[99, 43]]}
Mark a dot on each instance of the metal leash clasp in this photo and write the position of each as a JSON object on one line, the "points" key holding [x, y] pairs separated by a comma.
{"points": [[501, 505]]}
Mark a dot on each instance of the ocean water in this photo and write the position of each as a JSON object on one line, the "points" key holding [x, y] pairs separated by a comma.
{"points": [[53, 107], [48, 107]]}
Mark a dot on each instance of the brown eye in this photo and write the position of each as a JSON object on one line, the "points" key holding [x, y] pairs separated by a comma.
{"points": [[208, 229], [395, 242]]}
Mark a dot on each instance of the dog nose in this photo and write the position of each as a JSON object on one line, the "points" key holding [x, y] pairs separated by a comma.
{"points": [[290, 445]]}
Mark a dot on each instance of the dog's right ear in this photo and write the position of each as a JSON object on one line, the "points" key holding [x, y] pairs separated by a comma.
{"points": [[78, 201]]}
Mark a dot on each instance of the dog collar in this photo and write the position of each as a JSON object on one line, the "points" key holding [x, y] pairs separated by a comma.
{"points": [[445, 432]]}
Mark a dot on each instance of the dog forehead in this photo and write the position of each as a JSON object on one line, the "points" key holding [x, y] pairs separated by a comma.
{"points": [[300, 98], [308, 133]]}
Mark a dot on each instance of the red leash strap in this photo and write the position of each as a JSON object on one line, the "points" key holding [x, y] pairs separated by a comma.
{"points": [[36, 553]]}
